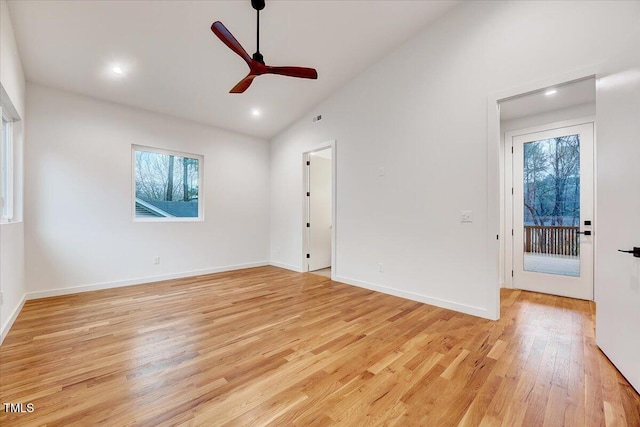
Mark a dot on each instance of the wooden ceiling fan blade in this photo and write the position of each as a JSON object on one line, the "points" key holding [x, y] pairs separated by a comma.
{"points": [[301, 72], [227, 38], [243, 84]]}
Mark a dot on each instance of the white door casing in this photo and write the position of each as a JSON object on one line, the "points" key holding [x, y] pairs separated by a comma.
{"points": [[617, 278]]}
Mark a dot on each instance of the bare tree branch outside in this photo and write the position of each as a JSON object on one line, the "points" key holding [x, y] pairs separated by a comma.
{"points": [[168, 182], [552, 181]]}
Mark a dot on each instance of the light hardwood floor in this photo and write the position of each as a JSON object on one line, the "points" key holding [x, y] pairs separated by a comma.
{"points": [[269, 346], [326, 272]]}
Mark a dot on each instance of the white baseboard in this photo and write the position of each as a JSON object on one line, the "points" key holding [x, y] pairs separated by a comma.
{"points": [[286, 266], [463, 308], [7, 326], [139, 281]]}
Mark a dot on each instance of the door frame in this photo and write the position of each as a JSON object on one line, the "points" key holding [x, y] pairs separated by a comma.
{"points": [[495, 176], [332, 144], [509, 184]]}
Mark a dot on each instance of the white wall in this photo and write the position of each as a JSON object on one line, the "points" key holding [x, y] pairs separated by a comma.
{"points": [[422, 114], [12, 282], [11, 71], [79, 232]]}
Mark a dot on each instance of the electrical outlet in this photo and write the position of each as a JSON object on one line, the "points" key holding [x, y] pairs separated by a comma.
{"points": [[381, 268], [156, 260], [466, 216], [381, 171]]}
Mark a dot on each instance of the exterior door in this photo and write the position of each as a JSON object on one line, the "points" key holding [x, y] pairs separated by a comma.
{"points": [[319, 222], [553, 222], [617, 282]]}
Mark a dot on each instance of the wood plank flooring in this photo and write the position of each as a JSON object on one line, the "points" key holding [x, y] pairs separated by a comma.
{"points": [[268, 346]]}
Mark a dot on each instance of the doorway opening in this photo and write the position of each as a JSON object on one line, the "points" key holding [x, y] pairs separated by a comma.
{"points": [[547, 141], [319, 211]]}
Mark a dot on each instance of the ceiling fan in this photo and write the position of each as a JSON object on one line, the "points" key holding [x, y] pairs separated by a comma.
{"points": [[256, 64]]}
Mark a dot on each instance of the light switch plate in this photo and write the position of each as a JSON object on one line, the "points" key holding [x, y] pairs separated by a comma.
{"points": [[466, 216]]}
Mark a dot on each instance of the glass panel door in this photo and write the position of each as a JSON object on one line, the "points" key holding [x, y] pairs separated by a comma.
{"points": [[552, 211], [551, 205]]}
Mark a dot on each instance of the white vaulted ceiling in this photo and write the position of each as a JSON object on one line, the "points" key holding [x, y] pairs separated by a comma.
{"points": [[173, 63]]}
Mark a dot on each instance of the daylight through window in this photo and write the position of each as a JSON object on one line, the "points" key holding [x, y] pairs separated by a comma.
{"points": [[167, 185], [6, 178]]}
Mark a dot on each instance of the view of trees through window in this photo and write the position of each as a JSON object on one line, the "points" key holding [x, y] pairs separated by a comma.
{"points": [[6, 172], [166, 185], [552, 182]]}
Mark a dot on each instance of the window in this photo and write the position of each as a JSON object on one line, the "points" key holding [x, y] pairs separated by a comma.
{"points": [[167, 185], [6, 178]]}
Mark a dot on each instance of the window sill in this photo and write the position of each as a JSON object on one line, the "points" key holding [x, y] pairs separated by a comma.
{"points": [[168, 220]]}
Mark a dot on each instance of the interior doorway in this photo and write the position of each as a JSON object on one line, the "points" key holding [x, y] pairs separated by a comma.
{"points": [[318, 221], [615, 222], [548, 189]]}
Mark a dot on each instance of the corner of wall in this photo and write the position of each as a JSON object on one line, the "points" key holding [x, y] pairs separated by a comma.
{"points": [[13, 83], [6, 326]]}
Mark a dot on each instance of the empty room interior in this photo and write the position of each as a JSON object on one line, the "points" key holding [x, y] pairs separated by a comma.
{"points": [[250, 212]]}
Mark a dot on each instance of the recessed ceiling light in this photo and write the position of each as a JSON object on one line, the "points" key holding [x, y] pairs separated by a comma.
{"points": [[551, 92], [116, 69], [255, 112]]}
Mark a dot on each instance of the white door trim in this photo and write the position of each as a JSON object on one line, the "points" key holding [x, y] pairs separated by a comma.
{"points": [[334, 208], [508, 184]]}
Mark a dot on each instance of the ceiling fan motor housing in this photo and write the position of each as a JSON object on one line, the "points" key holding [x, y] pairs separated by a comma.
{"points": [[258, 57], [257, 4]]}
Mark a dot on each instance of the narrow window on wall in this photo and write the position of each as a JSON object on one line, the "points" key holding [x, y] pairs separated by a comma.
{"points": [[6, 177], [167, 185]]}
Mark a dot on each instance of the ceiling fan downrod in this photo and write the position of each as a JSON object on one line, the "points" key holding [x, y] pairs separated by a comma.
{"points": [[258, 5]]}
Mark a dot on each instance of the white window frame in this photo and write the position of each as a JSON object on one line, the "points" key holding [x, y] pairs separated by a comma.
{"points": [[9, 200], [199, 157]]}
